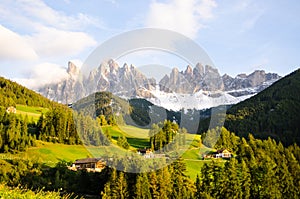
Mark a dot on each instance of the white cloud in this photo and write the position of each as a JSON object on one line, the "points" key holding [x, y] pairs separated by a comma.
{"points": [[14, 46], [46, 32], [186, 17], [51, 42], [42, 74], [40, 12]]}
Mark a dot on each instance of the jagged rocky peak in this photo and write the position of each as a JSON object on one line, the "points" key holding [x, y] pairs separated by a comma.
{"points": [[174, 75], [226, 76], [258, 73], [113, 66], [257, 77], [210, 69], [192, 80], [260, 76], [175, 70], [109, 66], [188, 71], [132, 67], [72, 69], [212, 81], [125, 66], [272, 76], [258, 80], [198, 70]]}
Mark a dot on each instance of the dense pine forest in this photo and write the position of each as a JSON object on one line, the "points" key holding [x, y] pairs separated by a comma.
{"points": [[12, 93]]}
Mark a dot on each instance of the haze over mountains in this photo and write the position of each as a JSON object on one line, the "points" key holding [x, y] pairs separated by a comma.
{"points": [[199, 87]]}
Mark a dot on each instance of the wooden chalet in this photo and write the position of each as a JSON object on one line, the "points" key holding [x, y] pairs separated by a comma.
{"points": [[222, 153], [147, 153], [89, 164]]}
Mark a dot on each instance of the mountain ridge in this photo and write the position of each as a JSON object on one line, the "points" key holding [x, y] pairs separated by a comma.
{"points": [[128, 82]]}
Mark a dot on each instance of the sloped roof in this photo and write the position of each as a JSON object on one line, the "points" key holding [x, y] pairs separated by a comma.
{"points": [[143, 150], [222, 150], [87, 160]]}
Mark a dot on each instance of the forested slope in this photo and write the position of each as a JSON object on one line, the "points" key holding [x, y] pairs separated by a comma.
{"points": [[12, 93], [274, 112]]}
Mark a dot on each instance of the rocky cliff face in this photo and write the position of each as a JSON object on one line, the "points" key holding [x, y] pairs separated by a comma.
{"points": [[67, 90], [244, 84], [128, 82], [192, 80]]}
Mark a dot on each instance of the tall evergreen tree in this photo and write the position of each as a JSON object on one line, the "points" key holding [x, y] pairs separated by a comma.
{"points": [[142, 187]]}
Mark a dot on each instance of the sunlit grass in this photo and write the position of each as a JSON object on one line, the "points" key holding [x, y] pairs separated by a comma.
{"points": [[33, 113], [15, 193]]}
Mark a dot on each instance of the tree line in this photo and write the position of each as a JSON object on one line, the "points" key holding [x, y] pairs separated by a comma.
{"points": [[12, 94], [14, 132], [261, 169], [166, 136]]}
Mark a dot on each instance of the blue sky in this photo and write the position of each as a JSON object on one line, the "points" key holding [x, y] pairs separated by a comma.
{"points": [[39, 37]]}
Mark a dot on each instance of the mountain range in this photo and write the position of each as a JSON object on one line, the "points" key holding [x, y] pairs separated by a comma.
{"points": [[199, 87]]}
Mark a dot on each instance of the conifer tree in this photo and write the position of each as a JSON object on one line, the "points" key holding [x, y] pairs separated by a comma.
{"points": [[142, 187]]}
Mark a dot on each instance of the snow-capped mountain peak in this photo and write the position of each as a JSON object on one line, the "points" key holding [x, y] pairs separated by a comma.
{"points": [[199, 87]]}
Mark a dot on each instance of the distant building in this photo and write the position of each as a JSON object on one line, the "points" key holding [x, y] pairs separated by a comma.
{"points": [[11, 109], [223, 153], [89, 164], [147, 153]]}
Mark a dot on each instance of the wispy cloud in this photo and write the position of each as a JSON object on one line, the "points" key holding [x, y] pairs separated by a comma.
{"points": [[186, 17], [47, 32], [52, 42], [14, 46], [42, 74], [39, 12]]}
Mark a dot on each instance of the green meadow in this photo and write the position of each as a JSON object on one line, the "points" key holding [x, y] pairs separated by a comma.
{"points": [[33, 113], [51, 153]]}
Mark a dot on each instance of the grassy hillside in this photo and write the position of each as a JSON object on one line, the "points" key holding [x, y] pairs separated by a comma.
{"points": [[50, 154], [274, 112], [136, 137], [32, 112]]}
